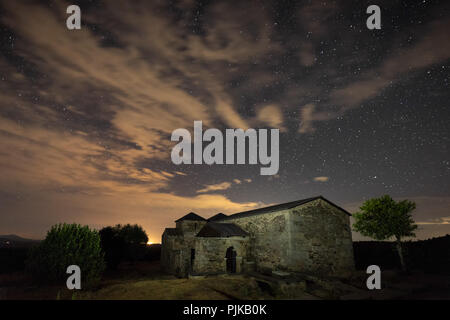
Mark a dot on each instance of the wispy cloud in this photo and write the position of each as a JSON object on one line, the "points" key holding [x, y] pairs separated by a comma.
{"points": [[432, 48], [215, 187], [443, 220], [97, 110]]}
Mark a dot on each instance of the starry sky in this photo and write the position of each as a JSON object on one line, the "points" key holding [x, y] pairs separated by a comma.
{"points": [[86, 115]]}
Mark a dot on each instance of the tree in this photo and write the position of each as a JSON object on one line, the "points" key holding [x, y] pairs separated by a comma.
{"points": [[113, 246], [123, 242], [65, 245], [384, 218], [132, 234]]}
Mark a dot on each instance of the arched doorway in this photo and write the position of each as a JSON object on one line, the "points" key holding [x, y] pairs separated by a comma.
{"points": [[231, 260]]}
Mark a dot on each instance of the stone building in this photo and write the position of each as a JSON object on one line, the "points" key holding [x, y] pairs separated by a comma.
{"points": [[309, 236]]}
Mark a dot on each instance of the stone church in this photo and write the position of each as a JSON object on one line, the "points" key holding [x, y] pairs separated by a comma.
{"points": [[307, 236]]}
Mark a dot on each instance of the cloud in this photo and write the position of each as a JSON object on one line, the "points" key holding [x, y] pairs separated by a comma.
{"points": [[271, 115], [229, 37], [154, 211], [315, 15], [215, 187], [308, 115], [167, 174], [431, 48], [72, 137], [321, 179], [439, 221], [306, 54], [85, 109], [306, 122], [138, 101]]}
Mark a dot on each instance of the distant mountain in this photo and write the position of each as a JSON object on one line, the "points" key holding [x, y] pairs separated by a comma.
{"points": [[13, 241]]}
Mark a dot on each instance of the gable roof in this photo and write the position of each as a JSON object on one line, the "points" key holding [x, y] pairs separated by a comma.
{"points": [[214, 229], [278, 207], [217, 217], [191, 216]]}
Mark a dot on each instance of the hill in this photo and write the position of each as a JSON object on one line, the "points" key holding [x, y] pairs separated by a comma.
{"points": [[15, 241]]}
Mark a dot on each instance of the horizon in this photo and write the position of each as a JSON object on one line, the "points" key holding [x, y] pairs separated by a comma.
{"points": [[355, 235]]}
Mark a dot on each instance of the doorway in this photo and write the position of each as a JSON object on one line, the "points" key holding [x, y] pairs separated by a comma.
{"points": [[192, 259], [231, 260]]}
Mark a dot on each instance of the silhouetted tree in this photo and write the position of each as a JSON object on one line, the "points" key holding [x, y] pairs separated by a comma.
{"points": [[132, 234], [384, 218], [123, 242], [113, 246]]}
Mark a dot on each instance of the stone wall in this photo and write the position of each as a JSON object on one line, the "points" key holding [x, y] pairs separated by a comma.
{"points": [[313, 237], [169, 261], [269, 239], [176, 254], [190, 228], [320, 239], [210, 254]]}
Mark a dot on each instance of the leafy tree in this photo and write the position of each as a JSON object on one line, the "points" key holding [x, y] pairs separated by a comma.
{"points": [[113, 246], [132, 234], [65, 245], [384, 218], [123, 242]]}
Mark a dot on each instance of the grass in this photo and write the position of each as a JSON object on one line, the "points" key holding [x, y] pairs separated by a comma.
{"points": [[145, 281], [138, 282], [154, 290]]}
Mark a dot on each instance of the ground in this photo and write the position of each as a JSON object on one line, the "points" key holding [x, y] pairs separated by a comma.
{"points": [[146, 281]]}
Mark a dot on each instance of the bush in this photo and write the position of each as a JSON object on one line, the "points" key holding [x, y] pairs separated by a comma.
{"points": [[65, 245]]}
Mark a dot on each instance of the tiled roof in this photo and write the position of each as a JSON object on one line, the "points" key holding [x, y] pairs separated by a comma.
{"points": [[213, 229], [278, 207]]}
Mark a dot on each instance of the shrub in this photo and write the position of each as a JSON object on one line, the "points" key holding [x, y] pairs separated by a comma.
{"points": [[64, 245]]}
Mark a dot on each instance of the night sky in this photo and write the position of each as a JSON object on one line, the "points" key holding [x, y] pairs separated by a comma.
{"points": [[86, 115]]}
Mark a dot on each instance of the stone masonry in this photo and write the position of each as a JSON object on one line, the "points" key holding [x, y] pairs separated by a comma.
{"points": [[306, 236]]}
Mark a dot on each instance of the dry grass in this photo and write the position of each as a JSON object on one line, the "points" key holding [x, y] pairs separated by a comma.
{"points": [[174, 289], [171, 288], [141, 281]]}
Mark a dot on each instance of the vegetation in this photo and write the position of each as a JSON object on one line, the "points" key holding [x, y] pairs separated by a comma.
{"points": [[430, 256], [384, 218], [123, 242], [215, 288], [12, 259], [65, 245]]}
